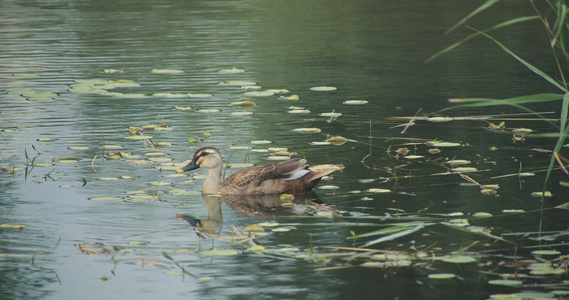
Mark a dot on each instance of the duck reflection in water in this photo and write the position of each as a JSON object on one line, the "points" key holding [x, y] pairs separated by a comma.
{"points": [[258, 206]]}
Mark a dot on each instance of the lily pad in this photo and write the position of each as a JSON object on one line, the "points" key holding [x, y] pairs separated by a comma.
{"points": [[237, 83], [231, 71], [259, 94], [323, 88], [213, 110], [307, 130], [355, 102], [167, 71], [378, 190], [505, 282], [459, 259], [442, 276]]}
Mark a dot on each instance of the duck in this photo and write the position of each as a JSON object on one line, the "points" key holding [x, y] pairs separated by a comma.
{"points": [[286, 177]]}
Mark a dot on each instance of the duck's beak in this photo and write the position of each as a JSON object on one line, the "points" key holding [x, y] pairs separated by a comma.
{"points": [[191, 166]]}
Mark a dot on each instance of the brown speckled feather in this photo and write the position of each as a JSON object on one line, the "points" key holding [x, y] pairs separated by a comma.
{"points": [[290, 176]]}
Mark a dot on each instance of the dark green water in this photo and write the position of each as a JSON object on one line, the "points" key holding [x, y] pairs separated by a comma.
{"points": [[368, 50]]}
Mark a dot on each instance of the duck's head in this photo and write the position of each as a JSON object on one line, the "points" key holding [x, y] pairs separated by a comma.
{"points": [[205, 157]]}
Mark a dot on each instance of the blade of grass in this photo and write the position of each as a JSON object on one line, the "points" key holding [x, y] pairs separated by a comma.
{"points": [[481, 102], [503, 24], [397, 235], [482, 7], [525, 63]]}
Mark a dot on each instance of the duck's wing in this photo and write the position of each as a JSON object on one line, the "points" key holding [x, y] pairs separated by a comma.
{"points": [[255, 176]]}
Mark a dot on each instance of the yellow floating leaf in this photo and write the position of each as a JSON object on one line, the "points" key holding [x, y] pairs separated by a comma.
{"points": [[231, 71], [183, 107], [331, 114], [355, 102], [378, 190], [257, 248], [279, 91], [244, 104], [289, 98], [323, 88], [167, 71], [253, 228], [482, 215], [307, 130], [213, 110], [320, 143], [539, 194], [14, 226]]}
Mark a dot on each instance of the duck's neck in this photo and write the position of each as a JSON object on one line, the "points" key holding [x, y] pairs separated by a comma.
{"points": [[213, 181]]}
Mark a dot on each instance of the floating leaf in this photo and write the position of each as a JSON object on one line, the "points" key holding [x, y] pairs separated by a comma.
{"points": [[545, 252], [337, 140], [328, 187], [213, 110], [464, 169], [251, 87], [458, 162], [253, 228], [320, 143], [257, 248], [289, 98], [139, 197], [414, 156], [355, 102], [244, 104], [539, 194], [138, 137], [183, 107], [46, 140], [155, 154], [442, 276], [378, 190], [167, 71], [231, 71], [459, 259], [323, 88], [307, 130], [108, 178], [332, 114], [237, 83], [78, 148], [279, 91], [112, 71], [505, 282], [482, 215], [281, 229], [14, 226], [258, 94], [443, 144], [510, 211], [240, 147], [299, 111], [261, 142]]}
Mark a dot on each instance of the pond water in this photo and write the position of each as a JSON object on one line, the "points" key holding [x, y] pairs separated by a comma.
{"points": [[80, 79]]}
